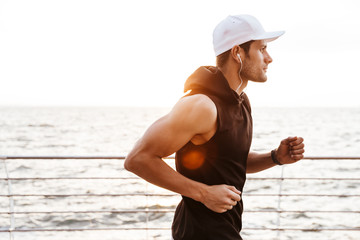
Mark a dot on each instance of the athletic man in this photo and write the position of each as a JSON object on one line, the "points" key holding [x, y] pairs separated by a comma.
{"points": [[210, 129]]}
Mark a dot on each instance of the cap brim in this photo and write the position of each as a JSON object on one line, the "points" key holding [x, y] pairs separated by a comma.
{"points": [[270, 36]]}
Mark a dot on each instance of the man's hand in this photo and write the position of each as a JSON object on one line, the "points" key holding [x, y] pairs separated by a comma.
{"points": [[220, 198], [290, 150]]}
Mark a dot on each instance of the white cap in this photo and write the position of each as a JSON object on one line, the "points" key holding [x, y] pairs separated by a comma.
{"points": [[236, 30]]}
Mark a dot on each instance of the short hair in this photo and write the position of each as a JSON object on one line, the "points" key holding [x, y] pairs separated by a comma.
{"points": [[222, 59]]}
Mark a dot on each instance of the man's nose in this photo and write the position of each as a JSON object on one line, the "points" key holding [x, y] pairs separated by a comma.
{"points": [[268, 58]]}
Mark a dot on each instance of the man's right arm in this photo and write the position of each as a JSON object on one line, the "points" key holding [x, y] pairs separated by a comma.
{"points": [[191, 116]]}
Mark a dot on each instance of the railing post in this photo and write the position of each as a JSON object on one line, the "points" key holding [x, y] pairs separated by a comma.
{"points": [[147, 211], [279, 202], [11, 200]]}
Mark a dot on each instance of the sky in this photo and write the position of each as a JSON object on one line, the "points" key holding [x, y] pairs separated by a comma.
{"points": [[139, 53]]}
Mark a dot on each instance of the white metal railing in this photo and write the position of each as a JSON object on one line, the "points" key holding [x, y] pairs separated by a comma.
{"points": [[11, 229]]}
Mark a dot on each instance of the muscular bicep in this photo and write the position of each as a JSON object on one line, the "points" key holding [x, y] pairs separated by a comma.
{"points": [[191, 116], [163, 137]]}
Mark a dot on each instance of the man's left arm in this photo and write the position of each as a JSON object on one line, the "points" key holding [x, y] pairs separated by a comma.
{"points": [[289, 151]]}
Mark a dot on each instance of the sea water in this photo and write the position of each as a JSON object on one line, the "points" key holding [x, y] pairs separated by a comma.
{"points": [[112, 131]]}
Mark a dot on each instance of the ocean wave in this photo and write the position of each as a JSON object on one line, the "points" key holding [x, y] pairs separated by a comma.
{"points": [[41, 125]]}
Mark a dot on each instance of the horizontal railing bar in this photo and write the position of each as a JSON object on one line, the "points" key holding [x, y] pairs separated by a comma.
{"points": [[91, 195], [95, 211], [300, 211], [303, 195], [166, 228], [171, 210], [170, 157], [331, 158], [62, 157], [172, 195], [81, 229], [71, 178], [301, 178], [303, 229], [138, 178]]}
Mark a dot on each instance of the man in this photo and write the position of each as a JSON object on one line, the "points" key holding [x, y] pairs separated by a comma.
{"points": [[210, 129]]}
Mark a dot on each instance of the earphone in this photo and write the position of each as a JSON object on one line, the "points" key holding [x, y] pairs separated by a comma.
{"points": [[239, 58], [238, 55]]}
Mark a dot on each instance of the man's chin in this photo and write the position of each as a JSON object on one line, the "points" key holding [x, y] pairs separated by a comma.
{"points": [[262, 80]]}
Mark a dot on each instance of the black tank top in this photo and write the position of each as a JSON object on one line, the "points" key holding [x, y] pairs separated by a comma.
{"points": [[221, 160]]}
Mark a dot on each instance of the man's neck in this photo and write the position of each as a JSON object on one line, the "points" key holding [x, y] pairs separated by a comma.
{"points": [[233, 79]]}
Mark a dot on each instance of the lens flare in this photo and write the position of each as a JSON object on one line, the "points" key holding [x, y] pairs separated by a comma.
{"points": [[193, 160]]}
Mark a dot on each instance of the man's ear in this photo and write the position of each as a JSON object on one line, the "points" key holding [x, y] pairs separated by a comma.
{"points": [[237, 52]]}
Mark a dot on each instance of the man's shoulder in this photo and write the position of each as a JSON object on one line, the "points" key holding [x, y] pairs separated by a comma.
{"points": [[195, 110], [199, 103]]}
